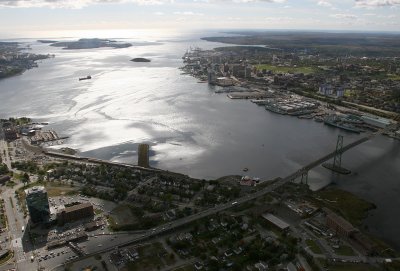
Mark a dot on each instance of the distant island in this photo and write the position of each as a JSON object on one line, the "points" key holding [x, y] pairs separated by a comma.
{"points": [[88, 44], [140, 59], [47, 41]]}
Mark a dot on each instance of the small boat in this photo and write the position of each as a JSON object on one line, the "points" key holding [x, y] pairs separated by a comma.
{"points": [[85, 78], [245, 169]]}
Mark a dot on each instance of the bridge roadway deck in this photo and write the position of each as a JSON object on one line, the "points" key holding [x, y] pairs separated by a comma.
{"points": [[332, 154], [186, 220]]}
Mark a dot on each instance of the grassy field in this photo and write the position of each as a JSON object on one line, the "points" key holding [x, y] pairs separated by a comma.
{"points": [[353, 267], [314, 246], [394, 266], [279, 69], [123, 215], [150, 258], [55, 191], [185, 268], [345, 251], [351, 207], [394, 77]]}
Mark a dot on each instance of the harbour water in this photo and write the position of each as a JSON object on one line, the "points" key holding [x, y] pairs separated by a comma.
{"points": [[190, 128]]}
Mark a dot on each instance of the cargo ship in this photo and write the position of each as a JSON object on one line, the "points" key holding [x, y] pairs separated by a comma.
{"points": [[337, 122], [85, 78]]}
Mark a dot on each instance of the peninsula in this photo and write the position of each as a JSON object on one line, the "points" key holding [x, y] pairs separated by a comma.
{"points": [[14, 61]]}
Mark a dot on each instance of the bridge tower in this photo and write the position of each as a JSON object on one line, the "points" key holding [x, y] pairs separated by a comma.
{"points": [[337, 160]]}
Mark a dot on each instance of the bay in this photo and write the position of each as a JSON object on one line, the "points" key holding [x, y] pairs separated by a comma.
{"points": [[190, 129]]}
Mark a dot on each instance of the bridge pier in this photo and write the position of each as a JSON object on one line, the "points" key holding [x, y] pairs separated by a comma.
{"points": [[304, 177]]}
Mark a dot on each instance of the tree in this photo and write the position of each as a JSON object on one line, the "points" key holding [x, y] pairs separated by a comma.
{"points": [[396, 94], [25, 178], [3, 169]]}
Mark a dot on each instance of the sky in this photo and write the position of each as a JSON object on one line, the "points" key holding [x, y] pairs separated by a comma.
{"points": [[22, 16]]}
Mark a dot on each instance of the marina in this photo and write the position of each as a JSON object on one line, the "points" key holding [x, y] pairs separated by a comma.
{"points": [[293, 106]]}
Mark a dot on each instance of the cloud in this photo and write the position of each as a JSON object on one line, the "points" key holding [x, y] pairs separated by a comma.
{"points": [[72, 3], [76, 4], [268, 1], [324, 3], [376, 3], [188, 13], [345, 16]]}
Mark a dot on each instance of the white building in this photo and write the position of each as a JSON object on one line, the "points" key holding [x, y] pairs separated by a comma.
{"points": [[376, 121]]}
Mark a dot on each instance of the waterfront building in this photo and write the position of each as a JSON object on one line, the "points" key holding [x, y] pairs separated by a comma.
{"points": [[376, 121], [38, 204], [143, 155], [338, 224], [211, 76], [224, 82]]}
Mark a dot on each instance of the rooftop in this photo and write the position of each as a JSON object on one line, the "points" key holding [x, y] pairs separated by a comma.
{"points": [[276, 221], [343, 223], [76, 207], [35, 190]]}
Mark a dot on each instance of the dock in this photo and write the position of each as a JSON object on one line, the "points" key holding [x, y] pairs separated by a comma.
{"points": [[248, 95]]}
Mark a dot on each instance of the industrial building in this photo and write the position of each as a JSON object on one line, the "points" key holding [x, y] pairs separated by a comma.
{"points": [[275, 221], [75, 212], [38, 204], [338, 224]]}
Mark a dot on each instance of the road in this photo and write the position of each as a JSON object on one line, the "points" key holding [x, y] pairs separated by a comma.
{"points": [[18, 241]]}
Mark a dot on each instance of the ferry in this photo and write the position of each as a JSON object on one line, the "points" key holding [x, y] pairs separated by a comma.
{"points": [[85, 78]]}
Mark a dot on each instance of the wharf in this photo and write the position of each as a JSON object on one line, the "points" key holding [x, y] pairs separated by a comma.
{"points": [[45, 136], [248, 95]]}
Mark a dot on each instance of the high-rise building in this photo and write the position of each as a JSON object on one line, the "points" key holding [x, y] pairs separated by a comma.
{"points": [[37, 203]]}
